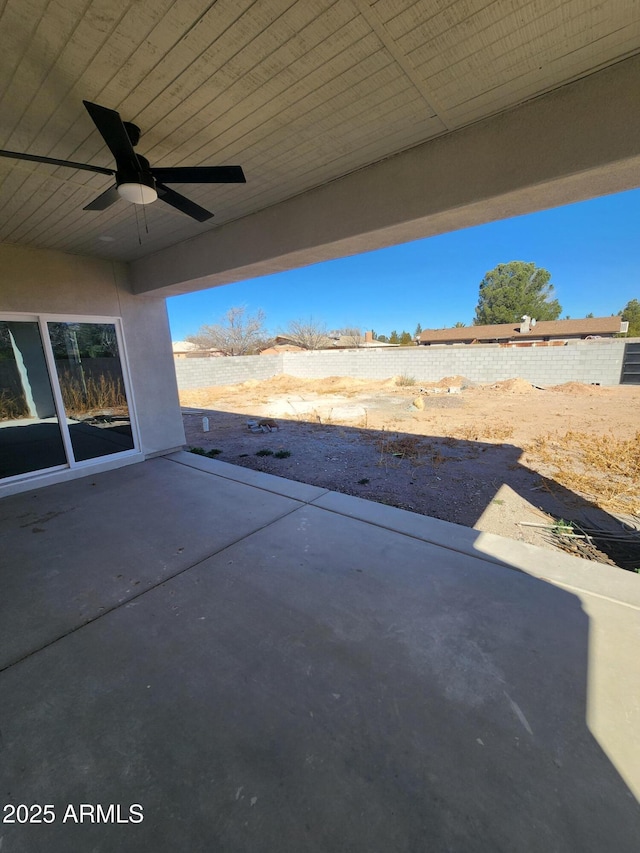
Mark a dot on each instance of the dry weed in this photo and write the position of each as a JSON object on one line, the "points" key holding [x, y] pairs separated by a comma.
{"points": [[497, 431], [405, 380], [404, 447], [603, 468], [493, 431], [98, 393], [12, 406], [437, 458], [411, 447]]}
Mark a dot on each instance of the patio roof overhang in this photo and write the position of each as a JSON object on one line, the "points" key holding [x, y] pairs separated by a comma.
{"points": [[546, 153], [358, 124]]}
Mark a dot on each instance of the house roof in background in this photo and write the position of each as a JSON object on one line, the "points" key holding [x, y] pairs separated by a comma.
{"points": [[335, 342], [278, 348], [507, 331], [183, 346]]}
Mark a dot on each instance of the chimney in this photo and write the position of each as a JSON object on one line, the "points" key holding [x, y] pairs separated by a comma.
{"points": [[368, 337], [525, 326]]}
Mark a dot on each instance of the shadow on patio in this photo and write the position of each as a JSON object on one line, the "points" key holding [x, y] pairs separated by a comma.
{"points": [[266, 665]]}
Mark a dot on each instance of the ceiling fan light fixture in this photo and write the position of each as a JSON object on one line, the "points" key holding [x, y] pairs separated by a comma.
{"points": [[137, 193]]}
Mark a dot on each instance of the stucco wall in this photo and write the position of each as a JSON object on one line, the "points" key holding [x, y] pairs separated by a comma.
{"points": [[39, 281], [581, 361]]}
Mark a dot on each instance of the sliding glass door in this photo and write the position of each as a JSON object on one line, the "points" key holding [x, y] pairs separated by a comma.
{"points": [[63, 394], [30, 436], [89, 372]]}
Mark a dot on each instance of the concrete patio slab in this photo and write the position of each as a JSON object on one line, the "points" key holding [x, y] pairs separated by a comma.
{"points": [[558, 568], [74, 550], [322, 683]]}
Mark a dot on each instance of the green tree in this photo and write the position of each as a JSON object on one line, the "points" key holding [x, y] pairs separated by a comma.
{"points": [[393, 337], [631, 313], [589, 316], [418, 331], [460, 325], [405, 339], [511, 290], [382, 338]]}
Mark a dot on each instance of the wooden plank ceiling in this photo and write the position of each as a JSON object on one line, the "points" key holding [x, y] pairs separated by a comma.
{"points": [[297, 92]]}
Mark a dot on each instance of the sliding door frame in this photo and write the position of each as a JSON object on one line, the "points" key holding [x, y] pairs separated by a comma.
{"points": [[72, 464]]}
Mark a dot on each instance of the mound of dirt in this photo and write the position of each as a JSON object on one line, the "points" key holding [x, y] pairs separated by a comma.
{"points": [[579, 388], [514, 386], [198, 397], [283, 383], [451, 382], [329, 385]]}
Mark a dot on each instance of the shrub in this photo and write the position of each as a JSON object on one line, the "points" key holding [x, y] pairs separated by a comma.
{"points": [[404, 379]]}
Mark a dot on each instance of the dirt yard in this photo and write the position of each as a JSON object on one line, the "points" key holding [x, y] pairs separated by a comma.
{"points": [[507, 458]]}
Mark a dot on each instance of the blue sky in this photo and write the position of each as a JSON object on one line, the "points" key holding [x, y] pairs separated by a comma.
{"points": [[591, 249]]}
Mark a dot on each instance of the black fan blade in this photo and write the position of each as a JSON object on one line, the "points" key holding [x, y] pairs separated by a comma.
{"points": [[200, 175], [35, 158], [183, 204], [115, 135], [104, 200]]}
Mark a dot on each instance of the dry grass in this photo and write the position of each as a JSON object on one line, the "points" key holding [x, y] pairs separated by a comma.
{"points": [[12, 406], [404, 380], [402, 447], [101, 393], [493, 431], [603, 468], [411, 447]]}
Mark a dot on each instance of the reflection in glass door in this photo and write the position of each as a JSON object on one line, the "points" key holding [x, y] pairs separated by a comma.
{"points": [[89, 371], [30, 437], [63, 396]]}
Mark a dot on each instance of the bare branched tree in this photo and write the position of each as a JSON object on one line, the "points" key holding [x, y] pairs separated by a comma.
{"points": [[308, 334], [238, 333]]}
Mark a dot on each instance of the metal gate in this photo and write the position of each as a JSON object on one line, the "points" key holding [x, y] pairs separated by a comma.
{"points": [[631, 365]]}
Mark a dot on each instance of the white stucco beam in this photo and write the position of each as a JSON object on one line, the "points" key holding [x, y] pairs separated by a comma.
{"points": [[575, 143]]}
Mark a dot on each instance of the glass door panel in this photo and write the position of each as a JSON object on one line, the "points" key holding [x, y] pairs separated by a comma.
{"points": [[30, 438], [89, 371]]}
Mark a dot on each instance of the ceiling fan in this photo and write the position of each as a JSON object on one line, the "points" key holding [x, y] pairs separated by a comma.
{"points": [[136, 180]]}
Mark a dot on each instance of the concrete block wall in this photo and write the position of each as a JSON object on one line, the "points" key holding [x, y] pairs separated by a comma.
{"points": [[579, 361], [588, 361], [204, 372]]}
